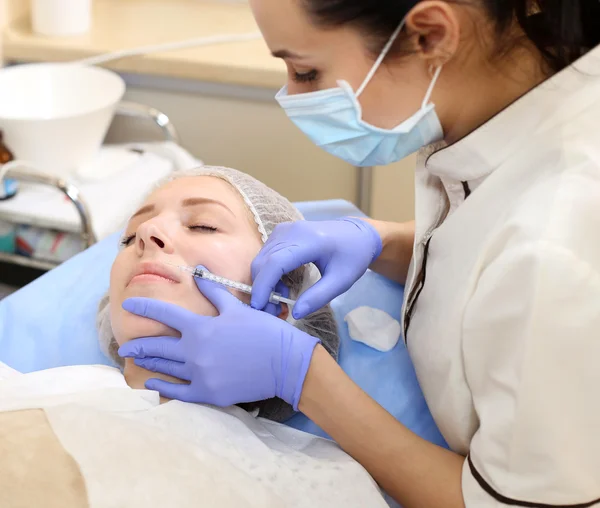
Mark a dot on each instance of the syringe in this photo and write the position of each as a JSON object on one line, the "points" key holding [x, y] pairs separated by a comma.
{"points": [[275, 298]]}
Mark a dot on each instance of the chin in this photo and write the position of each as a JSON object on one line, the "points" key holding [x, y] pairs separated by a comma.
{"points": [[132, 327], [160, 291], [188, 298]]}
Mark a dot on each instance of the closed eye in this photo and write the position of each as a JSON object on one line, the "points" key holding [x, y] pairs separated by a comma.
{"points": [[201, 227], [306, 77], [125, 241]]}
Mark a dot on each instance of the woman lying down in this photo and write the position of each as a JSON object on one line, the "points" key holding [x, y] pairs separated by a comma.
{"points": [[93, 436]]}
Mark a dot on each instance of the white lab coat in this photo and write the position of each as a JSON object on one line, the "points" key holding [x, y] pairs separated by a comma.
{"points": [[505, 331]]}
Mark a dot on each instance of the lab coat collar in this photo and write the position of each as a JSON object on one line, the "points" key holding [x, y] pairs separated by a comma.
{"points": [[557, 99]]}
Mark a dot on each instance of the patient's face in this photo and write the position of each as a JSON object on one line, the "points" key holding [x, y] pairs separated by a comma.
{"points": [[190, 221]]}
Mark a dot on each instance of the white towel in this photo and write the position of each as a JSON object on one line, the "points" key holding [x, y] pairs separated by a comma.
{"points": [[131, 451]]}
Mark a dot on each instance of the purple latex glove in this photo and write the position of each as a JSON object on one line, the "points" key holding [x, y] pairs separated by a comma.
{"points": [[243, 355], [341, 249]]}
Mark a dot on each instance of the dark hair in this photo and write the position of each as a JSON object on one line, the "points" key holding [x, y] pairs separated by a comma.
{"points": [[562, 30]]}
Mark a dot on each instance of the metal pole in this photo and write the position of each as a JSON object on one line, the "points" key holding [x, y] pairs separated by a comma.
{"points": [[69, 190], [365, 189]]}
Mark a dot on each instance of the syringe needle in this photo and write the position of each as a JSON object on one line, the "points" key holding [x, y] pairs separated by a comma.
{"points": [[239, 286]]}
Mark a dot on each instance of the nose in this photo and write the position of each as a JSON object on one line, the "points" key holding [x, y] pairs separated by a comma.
{"points": [[151, 237]]}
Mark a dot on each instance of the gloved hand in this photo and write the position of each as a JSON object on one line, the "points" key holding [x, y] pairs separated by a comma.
{"points": [[243, 355], [341, 249]]}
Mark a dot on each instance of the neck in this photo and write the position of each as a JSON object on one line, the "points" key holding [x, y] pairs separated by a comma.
{"points": [[136, 377], [482, 92]]}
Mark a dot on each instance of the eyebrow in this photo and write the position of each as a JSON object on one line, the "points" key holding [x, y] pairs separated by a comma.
{"points": [[143, 210], [284, 53], [205, 201], [186, 202]]}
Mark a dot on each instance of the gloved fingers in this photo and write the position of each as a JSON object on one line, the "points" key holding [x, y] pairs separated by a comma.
{"points": [[168, 348], [264, 256], [168, 367], [218, 295], [279, 264], [169, 314], [326, 289], [171, 390], [279, 240], [278, 233], [363, 225], [275, 308]]}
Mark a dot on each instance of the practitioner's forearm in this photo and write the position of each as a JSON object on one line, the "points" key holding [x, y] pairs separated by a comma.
{"points": [[398, 240], [415, 472]]}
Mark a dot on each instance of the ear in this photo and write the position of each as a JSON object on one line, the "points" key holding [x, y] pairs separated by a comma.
{"points": [[435, 28], [285, 311]]}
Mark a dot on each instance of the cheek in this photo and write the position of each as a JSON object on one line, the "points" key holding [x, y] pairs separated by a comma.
{"points": [[127, 326], [393, 96], [120, 267], [232, 259], [117, 283], [294, 88], [229, 257]]}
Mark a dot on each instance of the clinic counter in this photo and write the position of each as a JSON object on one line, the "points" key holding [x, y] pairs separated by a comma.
{"points": [[125, 24]]}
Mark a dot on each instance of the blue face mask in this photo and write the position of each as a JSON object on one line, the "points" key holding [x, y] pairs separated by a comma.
{"points": [[8, 188], [332, 119]]}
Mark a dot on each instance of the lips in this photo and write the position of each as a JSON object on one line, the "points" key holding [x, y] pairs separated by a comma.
{"points": [[154, 273]]}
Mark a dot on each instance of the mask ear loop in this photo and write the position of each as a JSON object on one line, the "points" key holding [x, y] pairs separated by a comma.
{"points": [[380, 58], [436, 75]]}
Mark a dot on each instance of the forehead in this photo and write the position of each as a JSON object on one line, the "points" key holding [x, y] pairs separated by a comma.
{"points": [[280, 16], [172, 193], [287, 25], [170, 197]]}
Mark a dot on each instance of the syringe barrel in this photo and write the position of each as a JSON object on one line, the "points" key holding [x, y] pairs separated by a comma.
{"points": [[275, 298]]}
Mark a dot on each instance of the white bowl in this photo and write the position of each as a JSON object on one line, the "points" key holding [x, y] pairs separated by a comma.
{"points": [[55, 115]]}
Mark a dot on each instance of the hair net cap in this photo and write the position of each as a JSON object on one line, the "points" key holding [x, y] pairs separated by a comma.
{"points": [[268, 209], [267, 206]]}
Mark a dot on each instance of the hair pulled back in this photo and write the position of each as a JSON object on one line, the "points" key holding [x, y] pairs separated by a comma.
{"points": [[562, 30]]}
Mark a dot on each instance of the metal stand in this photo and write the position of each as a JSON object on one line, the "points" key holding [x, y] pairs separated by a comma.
{"points": [[141, 111]]}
